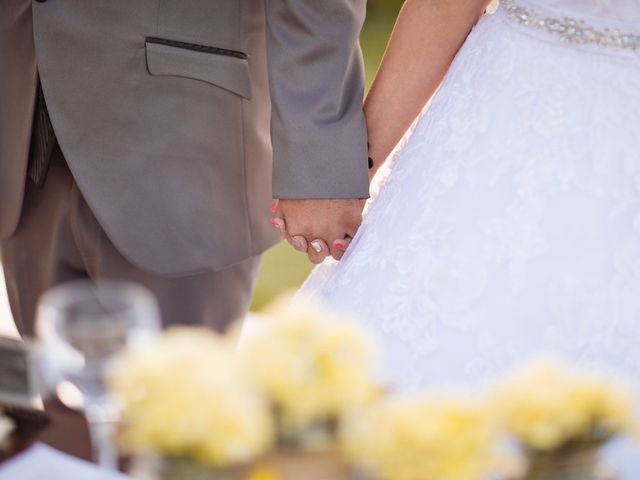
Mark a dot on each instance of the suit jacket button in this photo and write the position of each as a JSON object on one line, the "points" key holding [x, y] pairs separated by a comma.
{"points": [[41, 1]]}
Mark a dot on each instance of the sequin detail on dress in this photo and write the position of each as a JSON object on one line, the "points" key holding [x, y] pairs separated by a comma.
{"points": [[569, 29]]}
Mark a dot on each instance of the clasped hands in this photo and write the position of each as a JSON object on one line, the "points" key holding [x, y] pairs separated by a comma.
{"points": [[319, 228]]}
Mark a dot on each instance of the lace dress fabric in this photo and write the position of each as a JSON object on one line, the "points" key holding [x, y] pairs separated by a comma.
{"points": [[508, 222]]}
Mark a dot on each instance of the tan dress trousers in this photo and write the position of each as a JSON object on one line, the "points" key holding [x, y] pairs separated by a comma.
{"points": [[58, 240]]}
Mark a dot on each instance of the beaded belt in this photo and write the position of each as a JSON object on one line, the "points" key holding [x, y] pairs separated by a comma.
{"points": [[571, 30]]}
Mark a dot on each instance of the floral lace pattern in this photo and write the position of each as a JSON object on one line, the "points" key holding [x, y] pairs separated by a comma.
{"points": [[509, 221]]}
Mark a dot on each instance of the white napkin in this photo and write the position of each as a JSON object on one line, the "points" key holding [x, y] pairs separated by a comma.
{"points": [[41, 462]]}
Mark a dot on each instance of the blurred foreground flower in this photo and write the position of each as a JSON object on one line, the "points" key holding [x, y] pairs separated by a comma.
{"points": [[444, 437], [313, 365], [185, 397], [562, 416], [547, 404]]}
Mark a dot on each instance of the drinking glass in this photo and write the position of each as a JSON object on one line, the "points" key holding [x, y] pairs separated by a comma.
{"points": [[80, 326]]}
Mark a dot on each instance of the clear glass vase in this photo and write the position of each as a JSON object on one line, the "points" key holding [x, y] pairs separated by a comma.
{"points": [[299, 464], [81, 327], [574, 462]]}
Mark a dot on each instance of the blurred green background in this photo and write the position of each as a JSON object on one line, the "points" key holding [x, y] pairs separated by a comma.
{"points": [[283, 268]]}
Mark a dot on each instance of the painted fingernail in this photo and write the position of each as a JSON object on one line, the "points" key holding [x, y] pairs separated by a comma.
{"points": [[340, 245], [274, 206], [298, 244], [276, 223], [316, 245]]}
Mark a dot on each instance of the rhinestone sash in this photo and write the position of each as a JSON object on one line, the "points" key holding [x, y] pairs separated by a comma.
{"points": [[571, 30]]}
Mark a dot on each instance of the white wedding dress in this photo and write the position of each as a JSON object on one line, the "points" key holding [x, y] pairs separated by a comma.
{"points": [[508, 222]]}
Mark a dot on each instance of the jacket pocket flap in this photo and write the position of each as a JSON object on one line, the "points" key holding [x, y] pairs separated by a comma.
{"points": [[207, 64]]}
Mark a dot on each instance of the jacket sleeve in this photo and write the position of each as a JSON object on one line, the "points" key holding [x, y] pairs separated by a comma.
{"points": [[317, 84]]}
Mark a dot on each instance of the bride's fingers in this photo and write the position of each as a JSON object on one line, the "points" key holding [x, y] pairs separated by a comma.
{"points": [[318, 251], [278, 221], [281, 226], [339, 247], [300, 243]]}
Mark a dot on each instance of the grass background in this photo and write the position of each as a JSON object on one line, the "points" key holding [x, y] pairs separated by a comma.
{"points": [[283, 268]]}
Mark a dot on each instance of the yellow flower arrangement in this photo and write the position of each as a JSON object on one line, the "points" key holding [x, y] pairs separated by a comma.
{"points": [[184, 395], [445, 437], [548, 405], [312, 363]]}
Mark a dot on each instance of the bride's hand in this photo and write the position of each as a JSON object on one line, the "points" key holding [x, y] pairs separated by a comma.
{"points": [[318, 228]]}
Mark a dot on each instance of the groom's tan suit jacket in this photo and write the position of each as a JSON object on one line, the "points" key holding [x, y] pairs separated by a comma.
{"points": [[162, 110]]}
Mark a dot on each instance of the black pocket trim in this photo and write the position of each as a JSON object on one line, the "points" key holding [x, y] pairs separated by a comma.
{"points": [[197, 48]]}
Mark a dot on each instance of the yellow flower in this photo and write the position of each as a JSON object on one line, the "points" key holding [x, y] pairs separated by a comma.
{"points": [[312, 364], [185, 395], [444, 437], [547, 404]]}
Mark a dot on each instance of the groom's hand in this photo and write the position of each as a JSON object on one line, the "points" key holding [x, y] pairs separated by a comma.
{"points": [[319, 227]]}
